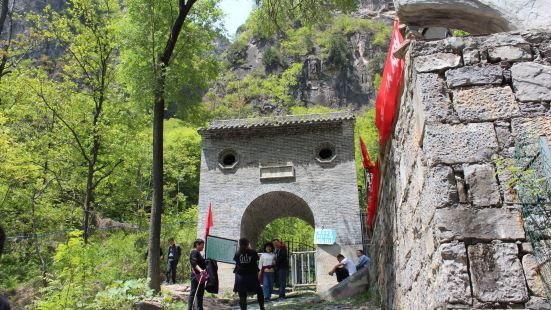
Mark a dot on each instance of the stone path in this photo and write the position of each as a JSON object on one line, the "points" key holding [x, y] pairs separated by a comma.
{"points": [[296, 301]]}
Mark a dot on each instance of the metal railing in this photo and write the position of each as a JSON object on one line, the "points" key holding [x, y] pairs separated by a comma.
{"points": [[303, 269]]}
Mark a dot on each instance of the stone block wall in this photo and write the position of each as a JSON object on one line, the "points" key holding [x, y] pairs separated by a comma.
{"points": [[449, 232]]}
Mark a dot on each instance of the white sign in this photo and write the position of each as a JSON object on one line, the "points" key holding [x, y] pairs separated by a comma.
{"points": [[325, 236]]}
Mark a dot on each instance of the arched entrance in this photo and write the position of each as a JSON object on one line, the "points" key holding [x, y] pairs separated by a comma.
{"points": [[269, 207]]}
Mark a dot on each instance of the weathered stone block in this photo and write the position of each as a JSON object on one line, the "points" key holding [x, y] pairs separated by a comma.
{"points": [[478, 224], [440, 188], [532, 81], [432, 102], [454, 144], [483, 188], [538, 303], [437, 62], [526, 248], [485, 103], [533, 275], [471, 57], [496, 273], [452, 279], [510, 53], [474, 75]]}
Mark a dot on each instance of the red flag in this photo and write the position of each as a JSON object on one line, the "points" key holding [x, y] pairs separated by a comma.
{"points": [[368, 165], [209, 221], [373, 197], [387, 97]]}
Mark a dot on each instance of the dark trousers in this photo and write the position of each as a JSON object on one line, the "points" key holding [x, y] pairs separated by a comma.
{"points": [[282, 280], [200, 289], [259, 298], [342, 273], [171, 271]]}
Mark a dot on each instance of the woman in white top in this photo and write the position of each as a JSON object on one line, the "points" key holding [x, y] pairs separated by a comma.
{"points": [[266, 266]]}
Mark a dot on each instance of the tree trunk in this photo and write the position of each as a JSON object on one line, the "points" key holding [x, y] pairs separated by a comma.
{"points": [[88, 198], [154, 270]]}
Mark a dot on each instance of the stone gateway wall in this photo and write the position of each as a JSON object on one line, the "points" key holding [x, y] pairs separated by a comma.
{"points": [[449, 232]]}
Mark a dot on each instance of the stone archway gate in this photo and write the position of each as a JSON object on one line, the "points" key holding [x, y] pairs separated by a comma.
{"points": [[254, 171]]}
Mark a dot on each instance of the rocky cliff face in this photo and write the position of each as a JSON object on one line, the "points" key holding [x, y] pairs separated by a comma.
{"points": [[350, 83]]}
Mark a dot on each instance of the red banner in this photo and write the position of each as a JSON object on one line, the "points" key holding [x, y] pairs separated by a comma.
{"points": [[387, 98], [373, 196]]}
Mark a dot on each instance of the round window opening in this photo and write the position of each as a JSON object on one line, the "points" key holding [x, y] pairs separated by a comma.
{"points": [[229, 159], [325, 153]]}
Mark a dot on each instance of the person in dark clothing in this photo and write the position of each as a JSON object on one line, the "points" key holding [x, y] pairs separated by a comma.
{"points": [[246, 274], [282, 266], [174, 252], [4, 304], [198, 275]]}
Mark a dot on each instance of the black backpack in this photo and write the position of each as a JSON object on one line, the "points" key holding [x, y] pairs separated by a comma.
{"points": [[212, 283]]}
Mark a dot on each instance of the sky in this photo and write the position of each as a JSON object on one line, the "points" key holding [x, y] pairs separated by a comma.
{"points": [[236, 12]]}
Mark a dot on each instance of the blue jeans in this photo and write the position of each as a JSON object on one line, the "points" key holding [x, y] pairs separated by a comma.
{"points": [[282, 280], [268, 284]]}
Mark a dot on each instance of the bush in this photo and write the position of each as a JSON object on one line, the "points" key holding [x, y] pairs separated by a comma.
{"points": [[237, 53], [271, 59], [337, 51]]}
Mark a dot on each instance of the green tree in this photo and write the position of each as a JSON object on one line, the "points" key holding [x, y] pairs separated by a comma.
{"points": [[161, 67], [83, 94]]}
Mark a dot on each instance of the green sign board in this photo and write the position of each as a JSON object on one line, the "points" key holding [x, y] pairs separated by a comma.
{"points": [[220, 249]]}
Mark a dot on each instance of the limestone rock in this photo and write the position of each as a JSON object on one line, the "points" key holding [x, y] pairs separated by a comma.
{"points": [[485, 104], [496, 273], [476, 16], [452, 278], [454, 144], [526, 248], [440, 188], [532, 81], [510, 53], [474, 75], [538, 303], [479, 224], [483, 189], [533, 275], [437, 62], [431, 99], [471, 57]]}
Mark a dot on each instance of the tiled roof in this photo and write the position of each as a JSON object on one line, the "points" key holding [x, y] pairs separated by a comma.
{"points": [[276, 121]]}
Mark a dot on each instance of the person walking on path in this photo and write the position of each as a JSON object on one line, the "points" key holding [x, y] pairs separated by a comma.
{"points": [[246, 274], [198, 275], [343, 269], [174, 253], [267, 270], [282, 266], [363, 260]]}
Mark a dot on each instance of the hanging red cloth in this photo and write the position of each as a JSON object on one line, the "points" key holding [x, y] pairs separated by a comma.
{"points": [[373, 196], [209, 221], [368, 165], [387, 97]]}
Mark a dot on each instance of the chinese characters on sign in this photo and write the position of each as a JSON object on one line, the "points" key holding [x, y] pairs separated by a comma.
{"points": [[325, 236]]}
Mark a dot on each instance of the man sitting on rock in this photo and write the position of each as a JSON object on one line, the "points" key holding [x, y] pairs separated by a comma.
{"points": [[363, 260], [343, 269]]}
